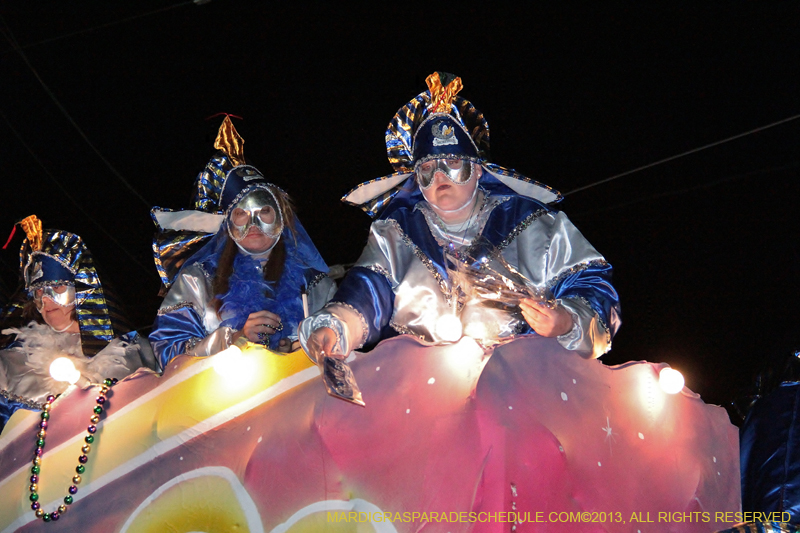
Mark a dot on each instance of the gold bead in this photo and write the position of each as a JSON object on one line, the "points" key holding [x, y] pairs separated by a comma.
{"points": [[85, 448], [42, 433], [46, 406], [95, 419], [34, 487], [39, 513], [62, 509], [37, 460], [76, 479]]}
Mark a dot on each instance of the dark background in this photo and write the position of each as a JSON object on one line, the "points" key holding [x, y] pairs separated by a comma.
{"points": [[705, 247]]}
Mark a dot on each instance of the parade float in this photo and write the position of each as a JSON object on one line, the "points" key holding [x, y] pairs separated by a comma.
{"points": [[527, 437]]}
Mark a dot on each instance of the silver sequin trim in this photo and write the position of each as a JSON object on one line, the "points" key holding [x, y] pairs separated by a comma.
{"points": [[179, 305], [378, 269], [205, 272], [192, 343], [424, 259], [522, 226], [30, 404], [315, 280], [405, 330], [575, 269], [364, 326]]}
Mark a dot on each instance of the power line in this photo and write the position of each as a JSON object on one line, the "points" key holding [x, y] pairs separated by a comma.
{"points": [[674, 157], [685, 190], [67, 194], [10, 37], [106, 25]]}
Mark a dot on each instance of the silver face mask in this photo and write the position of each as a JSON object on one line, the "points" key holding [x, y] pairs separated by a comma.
{"points": [[458, 171], [258, 209], [66, 298]]}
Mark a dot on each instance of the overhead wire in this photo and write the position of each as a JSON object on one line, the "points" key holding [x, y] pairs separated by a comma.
{"points": [[682, 154], [10, 38], [68, 195], [106, 25], [675, 192]]}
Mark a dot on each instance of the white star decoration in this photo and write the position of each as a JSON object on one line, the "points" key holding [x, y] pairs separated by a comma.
{"points": [[607, 429], [610, 435]]}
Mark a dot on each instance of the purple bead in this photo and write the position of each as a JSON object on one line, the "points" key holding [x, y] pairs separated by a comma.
{"points": [[54, 515], [39, 452], [82, 459], [101, 400], [73, 489], [91, 429], [35, 505], [43, 424], [34, 479], [51, 398]]}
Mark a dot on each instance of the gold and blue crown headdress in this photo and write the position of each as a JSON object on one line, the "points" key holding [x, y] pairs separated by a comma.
{"points": [[56, 257], [223, 181], [439, 124], [181, 233]]}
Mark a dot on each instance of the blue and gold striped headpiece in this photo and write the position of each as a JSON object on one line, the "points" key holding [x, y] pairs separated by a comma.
{"points": [[181, 233], [56, 257], [411, 137]]}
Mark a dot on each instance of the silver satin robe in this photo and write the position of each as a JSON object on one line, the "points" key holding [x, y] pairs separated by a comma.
{"points": [[192, 288], [545, 247]]}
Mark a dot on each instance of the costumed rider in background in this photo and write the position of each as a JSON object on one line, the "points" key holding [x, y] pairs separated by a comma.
{"points": [[446, 196], [65, 321], [247, 280]]}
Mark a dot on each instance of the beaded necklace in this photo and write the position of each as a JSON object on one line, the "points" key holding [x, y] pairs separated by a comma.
{"points": [[80, 469]]}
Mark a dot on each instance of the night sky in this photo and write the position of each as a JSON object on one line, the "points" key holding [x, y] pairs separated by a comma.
{"points": [[109, 100]]}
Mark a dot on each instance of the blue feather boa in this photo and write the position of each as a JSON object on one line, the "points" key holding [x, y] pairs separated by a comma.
{"points": [[249, 292]]}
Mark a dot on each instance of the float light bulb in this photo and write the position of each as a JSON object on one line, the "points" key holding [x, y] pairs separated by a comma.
{"points": [[228, 361], [62, 369], [670, 380], [449, 328]]}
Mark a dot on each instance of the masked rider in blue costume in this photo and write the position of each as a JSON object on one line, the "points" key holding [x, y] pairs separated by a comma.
{"points": [[247, 280], [446, 195], [62, 311]]}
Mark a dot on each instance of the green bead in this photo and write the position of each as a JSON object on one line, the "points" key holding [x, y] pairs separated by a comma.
{"points": [[35, 469], [34, 497], [107, 382], [40, 443], [45, 415], [89, 439], [46, 517], [68, 500], [98, 409], [80, 469]]}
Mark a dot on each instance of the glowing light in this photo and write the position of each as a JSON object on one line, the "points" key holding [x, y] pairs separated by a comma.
{"points": [[670, 380], [476, 330], [464, 359], [234, 366], [449, 328], [227, 362], [62, 369]]}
